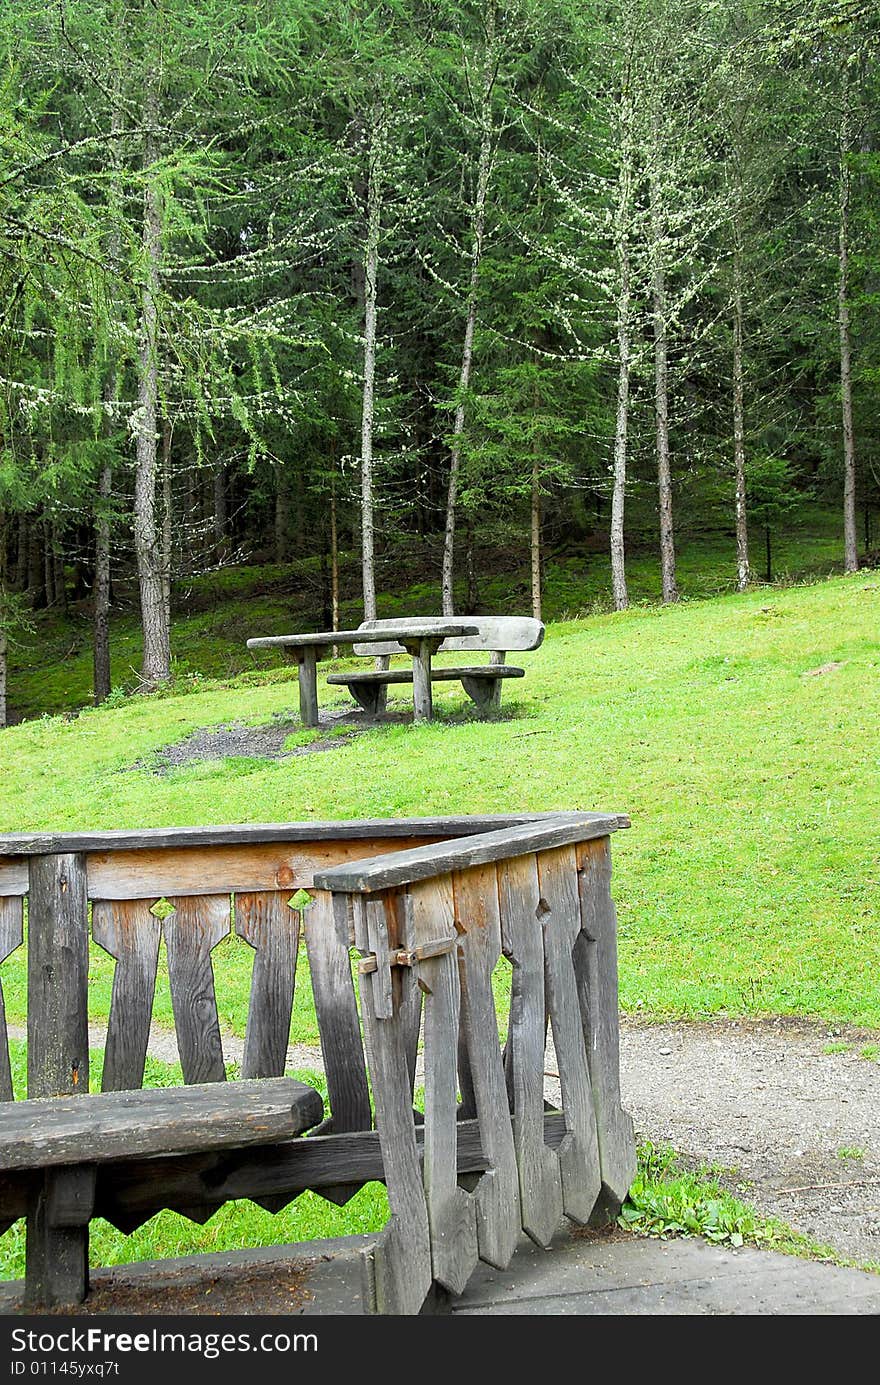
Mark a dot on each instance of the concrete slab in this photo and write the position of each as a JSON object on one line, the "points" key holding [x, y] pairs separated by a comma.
{"points": [[581, 1275], [628, 1276]]}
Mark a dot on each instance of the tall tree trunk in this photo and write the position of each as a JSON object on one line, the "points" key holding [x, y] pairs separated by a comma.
{"points": [[535, 544], [4, 656], [156, 666], [371, 271], [661, 384], [101, 589], [167, 521], [36, 580], [622, 237], [743, 571], [59, 577], [850, 540], [282, 515], [334, 562], [21, 557], [478, 227], [618, 494], [48, 562]]}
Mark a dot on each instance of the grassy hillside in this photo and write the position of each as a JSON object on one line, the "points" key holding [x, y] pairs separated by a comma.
{"points": [[749, 881], [214, 614]]}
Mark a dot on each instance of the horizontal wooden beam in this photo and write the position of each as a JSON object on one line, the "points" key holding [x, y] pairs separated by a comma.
{"points": [[247, 834], [422, 863], [138, 1189]]}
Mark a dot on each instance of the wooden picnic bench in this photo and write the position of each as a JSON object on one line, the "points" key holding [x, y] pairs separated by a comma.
{"points": [[430, 908], [495, 635], [421, 638]]}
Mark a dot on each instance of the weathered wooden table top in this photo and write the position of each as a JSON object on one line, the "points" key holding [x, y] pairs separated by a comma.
{"points": [[406, 630]]}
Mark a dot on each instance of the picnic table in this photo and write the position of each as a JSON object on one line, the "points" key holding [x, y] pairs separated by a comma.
{"points": [[420, 638]]}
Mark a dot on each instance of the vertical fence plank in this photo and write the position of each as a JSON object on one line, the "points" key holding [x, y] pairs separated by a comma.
{"points": [[272, 927], [595, 957], [452, 1213], [195, 928], [131, 933], [540, 1182], [402, 1256], [338, 1021], [11, 931], [579, 1153], [58, 1058], [478, 921]]}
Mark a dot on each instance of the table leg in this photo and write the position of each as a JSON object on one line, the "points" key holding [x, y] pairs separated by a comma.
{"points": [[422, 701], [308, 686]]}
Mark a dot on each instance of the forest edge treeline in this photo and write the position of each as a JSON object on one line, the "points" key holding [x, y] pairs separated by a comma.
{"points": [[290, 278]]}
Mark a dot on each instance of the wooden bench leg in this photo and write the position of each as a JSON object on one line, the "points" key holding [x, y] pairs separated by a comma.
{"points": [[57, 1252], [308, 687], [485, 692], [371, 696], [423, 706]]}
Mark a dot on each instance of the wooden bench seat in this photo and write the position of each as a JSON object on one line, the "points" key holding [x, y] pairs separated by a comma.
{"points": [[479, 682], [58, 1144], [49, 1131]]}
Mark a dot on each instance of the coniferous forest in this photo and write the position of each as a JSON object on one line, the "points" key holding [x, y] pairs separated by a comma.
{"points": [[309, 279]]}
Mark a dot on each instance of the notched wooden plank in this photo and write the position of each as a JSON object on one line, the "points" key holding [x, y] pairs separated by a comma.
{"points": [[129, 931], [191, 933], [561, 923], [272, 927]]}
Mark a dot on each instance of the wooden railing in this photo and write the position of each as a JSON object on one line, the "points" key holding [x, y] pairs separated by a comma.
{"points": [[430, 906]]}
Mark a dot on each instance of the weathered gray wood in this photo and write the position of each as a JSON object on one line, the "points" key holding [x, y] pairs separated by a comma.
{"points": [[401, 1259], [308, 686], [423, 705], [11, 929], [355, 680], [191, 932], [230, 869], [56, 1257], [561, 921], [371, 696], [490, 633], [71, 1191], [393, 630], [129, 1192], [452, 1213], [13, 874], [485, 689], [131, 934], [58, 1054], [338, 1020], [58, 971], [101, 1126], [23, 844], [540, 1182], [595, 960], [272, 928], [421, 863], [478, 921]]}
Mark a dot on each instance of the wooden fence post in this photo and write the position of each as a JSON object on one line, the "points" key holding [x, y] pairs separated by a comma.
{"points": [[58, 1065]]}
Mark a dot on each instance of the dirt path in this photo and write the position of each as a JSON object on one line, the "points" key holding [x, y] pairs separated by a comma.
{"points": [[795, 1128], [799, 1126]]}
